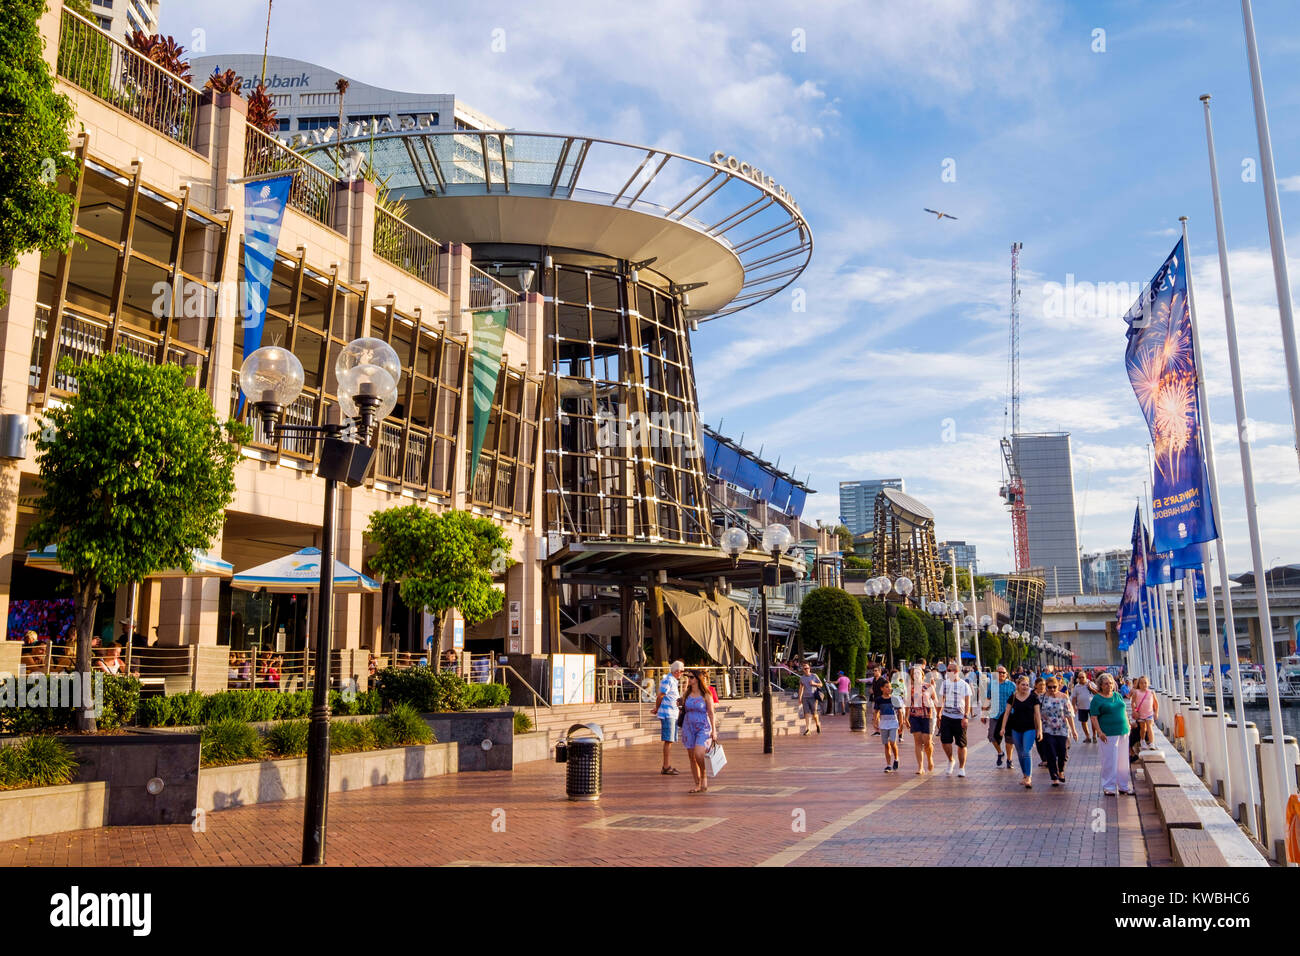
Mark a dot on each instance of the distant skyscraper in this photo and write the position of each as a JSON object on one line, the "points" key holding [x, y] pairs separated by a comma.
{"points": [[858, 502], [121, 17], [963, 552], [1104, 571], [1044, 462]]}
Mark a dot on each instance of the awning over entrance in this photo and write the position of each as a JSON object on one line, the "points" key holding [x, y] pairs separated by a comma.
{"points": [[617, 561], [720, 627], [299, 572]]}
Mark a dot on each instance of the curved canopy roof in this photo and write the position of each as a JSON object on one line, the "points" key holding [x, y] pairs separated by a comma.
{"points": [[907, 507], [722, 230]]}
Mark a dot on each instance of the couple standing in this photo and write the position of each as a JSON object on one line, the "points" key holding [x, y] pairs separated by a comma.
{"points": [[694, 713]]}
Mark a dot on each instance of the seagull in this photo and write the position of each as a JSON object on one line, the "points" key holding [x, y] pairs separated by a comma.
{"points": [[941, 215]]}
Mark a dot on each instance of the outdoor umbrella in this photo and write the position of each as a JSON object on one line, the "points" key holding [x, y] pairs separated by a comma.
{"points": [[300, 571], [205, 565]]}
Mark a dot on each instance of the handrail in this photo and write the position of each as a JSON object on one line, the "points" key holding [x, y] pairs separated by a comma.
{"points": [[536, 695], [406, 247], [312, 190]]}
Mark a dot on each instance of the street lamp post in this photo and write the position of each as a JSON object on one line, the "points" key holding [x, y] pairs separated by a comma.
{"points": [[271, 377]]}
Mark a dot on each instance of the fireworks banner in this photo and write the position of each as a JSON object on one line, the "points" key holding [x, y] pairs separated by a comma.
{"points": [[1133, 611], [264, 204], [1161, 366]]}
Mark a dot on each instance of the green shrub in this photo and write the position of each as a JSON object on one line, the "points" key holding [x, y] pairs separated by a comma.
{"points": [[401, 727], [121, 700], [121, 697], [288, 738], [36, 762], [486, 695], [365, 702], [523, 723], [230, 740], [423, 688], [347, 736]]}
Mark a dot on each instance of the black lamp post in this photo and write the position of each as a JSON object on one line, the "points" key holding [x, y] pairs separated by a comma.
{"points": [[272, 377]]}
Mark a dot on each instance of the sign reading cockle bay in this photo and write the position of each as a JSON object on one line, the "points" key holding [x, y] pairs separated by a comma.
{"points": [[1161, 364], [752, 172]]}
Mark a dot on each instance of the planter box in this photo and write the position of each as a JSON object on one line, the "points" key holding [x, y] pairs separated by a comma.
{"points": [[127, 762], [240, 785], [470, 728], [39, 810]]}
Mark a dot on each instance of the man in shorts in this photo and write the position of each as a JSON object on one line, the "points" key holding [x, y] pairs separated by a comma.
{"points": [[955, 695], [809, 685], [666, 711], [1001, 691]]}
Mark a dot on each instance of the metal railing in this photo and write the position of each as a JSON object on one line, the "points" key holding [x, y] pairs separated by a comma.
{"points": [[82, 338], [488, 292], [108, 69], [408, 248], [537, 697], [731, 683], [312, 191]]}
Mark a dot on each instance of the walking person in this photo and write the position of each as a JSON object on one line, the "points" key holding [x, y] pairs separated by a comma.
{"points": [[1109, 716], [1145, 710], [1040, 691], [954, 719], [809, 686], [699, 726], [890, 707], [1058, 728], [1081, 698], [1024, 721], [666, 711], [1001, 690], [879, 690], [842, 685], [920, 720]]}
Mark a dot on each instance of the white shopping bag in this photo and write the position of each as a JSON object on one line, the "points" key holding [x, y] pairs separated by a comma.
{"points": [[717, 758]]}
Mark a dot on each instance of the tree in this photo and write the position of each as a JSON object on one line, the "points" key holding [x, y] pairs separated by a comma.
{"points": [[990, 649], [913, 641], [442, 560], [845, 537], [34, 121], [136, 473], [832, 618], [858, 564]]}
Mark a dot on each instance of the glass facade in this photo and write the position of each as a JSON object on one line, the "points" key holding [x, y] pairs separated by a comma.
{"points": [[858, 502], [1044, 462]]}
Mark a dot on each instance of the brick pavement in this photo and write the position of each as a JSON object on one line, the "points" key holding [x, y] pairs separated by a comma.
{"points": [[851, 813]]}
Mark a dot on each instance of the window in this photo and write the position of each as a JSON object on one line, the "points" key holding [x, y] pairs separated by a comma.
{"points": [[106, 4], [316, 122], [283, 125], [105, 23]]}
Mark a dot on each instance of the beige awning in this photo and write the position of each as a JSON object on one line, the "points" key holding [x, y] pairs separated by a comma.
{"points": [[603, 625], [720, 627]]}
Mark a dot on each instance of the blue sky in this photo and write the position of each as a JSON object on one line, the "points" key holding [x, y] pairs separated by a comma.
{"points": [[1088, 157]]}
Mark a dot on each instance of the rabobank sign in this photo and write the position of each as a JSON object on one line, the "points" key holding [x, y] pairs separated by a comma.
{"points": [[283, 81]]}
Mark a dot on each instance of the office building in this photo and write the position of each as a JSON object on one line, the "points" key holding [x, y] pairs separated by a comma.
{"points": [[122, 17], [858, 502], [1104, 572], [306, 100], [959, 551], [1044, 462]]}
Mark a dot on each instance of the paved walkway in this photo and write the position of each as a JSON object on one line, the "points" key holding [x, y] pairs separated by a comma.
{"points": [[819, 799]]}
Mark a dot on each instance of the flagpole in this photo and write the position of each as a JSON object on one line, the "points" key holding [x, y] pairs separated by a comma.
{"points": [[1193, 638], [1276, 238], [1252, 510], [1178, 646]]}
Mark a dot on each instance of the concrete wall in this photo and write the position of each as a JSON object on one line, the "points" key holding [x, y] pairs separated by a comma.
{"points": [[39, 810], [223, 788], [127, 762], [470, 729]]}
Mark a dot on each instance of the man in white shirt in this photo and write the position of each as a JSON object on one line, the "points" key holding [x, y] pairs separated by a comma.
{"points": [[666, 711], [955, 699]]}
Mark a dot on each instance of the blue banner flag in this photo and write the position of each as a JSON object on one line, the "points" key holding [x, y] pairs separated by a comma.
{"points": [[264, 204], [1184, 558], [1158, 570], [1161, 367], [1132, 607]]}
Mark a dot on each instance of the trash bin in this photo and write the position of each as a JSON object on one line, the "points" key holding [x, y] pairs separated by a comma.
{"points": [[857, 713], [582, 777]]}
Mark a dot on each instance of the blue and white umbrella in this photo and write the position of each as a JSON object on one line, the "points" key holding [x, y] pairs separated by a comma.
{"points": [[300, 571]]}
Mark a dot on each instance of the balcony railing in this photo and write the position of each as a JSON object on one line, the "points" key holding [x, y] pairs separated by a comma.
{"points": [[312, 191], [82, 338], [108, 69], [488, 292], [408, 248]]}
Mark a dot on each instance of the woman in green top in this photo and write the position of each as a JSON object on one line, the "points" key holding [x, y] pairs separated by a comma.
{"points": [[1108, 714]]}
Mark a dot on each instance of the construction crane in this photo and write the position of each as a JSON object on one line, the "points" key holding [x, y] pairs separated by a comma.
{"points": [[1013, 485]]}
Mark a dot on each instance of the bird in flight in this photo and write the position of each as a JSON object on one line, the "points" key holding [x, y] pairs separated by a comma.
{"points": [[941, 215]]}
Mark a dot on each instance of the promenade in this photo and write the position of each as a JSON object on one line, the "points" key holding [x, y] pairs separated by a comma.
{"points": [[819, 799]]}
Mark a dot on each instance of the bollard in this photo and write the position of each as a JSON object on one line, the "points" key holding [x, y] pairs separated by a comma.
{"points": [[857, 713], [1274, 793], [1215, 769], [1193, 728], [584, 774], [1237, 793]]}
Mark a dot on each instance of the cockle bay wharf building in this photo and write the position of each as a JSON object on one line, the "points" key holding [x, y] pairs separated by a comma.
{"points": [[606, 258]]}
